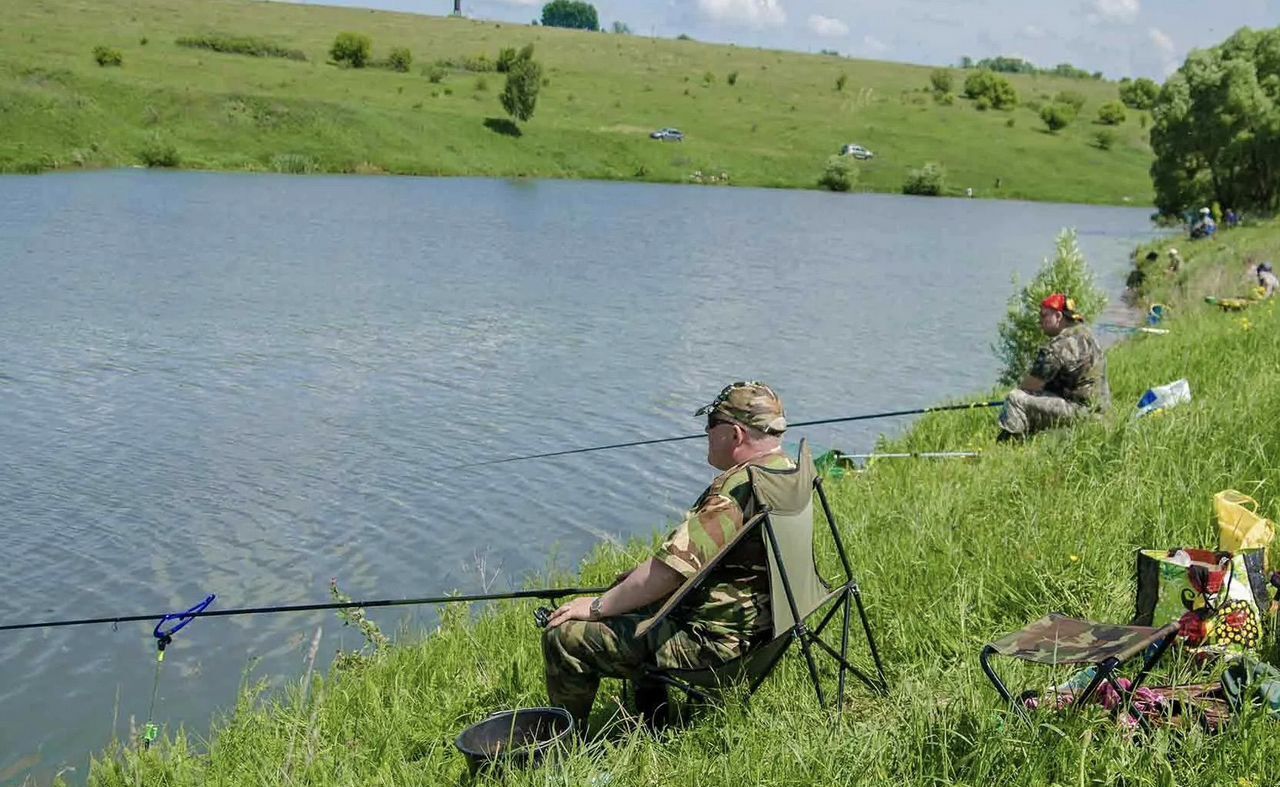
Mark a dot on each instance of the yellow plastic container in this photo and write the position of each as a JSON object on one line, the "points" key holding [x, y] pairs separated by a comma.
{"points": [[1239, 526]]}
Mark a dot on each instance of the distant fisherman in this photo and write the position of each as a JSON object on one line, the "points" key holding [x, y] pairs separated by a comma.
{"points": [[1066, 383]]}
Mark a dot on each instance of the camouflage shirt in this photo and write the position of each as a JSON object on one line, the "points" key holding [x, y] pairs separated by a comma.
{"points": [[1074, 367], [732, 605]]}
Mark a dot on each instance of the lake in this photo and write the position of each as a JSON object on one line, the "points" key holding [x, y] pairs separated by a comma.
{"points": [[248, 384]]}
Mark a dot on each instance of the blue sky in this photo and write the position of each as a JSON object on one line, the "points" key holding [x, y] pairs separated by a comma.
{"points": [[1119, 37]]}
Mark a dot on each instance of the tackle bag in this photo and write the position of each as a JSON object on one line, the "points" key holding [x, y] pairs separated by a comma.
{"points": [[1215, 597]]}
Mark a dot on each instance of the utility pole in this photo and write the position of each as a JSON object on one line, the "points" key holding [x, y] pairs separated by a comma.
{"points": [[457, 7]]}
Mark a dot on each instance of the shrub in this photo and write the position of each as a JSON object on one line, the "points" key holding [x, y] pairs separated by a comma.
{"points": [[351, 49], [708, 78], [1111, 113], [506, 56], [945, 99], [997, 90], [482, 84], [400, 59], [940, 80], [982, 104], [1104, 139], [732, 78], [841, 81], [927, 181], [241, 45], [839, 174], [1011, 122], [622, 28], [434, 74], [106, 56], [159, 152], [1071, 98], [1019, 332], [1057, 116], [519, 95]]}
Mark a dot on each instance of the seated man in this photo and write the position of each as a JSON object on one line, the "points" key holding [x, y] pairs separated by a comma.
{"points": [[1067, 381], [589, 638]]}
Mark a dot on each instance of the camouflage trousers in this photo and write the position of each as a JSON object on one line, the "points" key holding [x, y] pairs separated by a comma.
{"points": [[1026, 413], [579, 653]]}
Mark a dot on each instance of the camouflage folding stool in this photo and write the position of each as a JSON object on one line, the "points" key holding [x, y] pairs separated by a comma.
{"points": [[782, 514], [1056, 639]]}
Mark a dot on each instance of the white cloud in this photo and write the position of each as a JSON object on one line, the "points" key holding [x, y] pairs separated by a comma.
{"points": [[827, 27], [1168, 50], [749, 13], [873, 45], [1115, 10]]}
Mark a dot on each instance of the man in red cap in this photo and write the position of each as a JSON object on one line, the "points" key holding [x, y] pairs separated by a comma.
{"points": [[1067, 381]]}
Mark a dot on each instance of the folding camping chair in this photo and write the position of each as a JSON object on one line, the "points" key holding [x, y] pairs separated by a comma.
{"points": [[782, 514], [1056, 639]]}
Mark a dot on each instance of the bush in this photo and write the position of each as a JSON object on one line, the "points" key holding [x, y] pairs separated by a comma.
{"points": [[351, 49], [106, 56], [997, 90], [841, 81], [434, 74], [945, 99], [982, 104], [708, 79], [293, 164], [506, 56], [1071, 98], [1111, 113], [482, 84], [839, 174], [159, 152], [400, 59], [241, 45], [1057, 116], [927, 181], [1104, 139], [1020, 334], [732, 78], [940, 80]]}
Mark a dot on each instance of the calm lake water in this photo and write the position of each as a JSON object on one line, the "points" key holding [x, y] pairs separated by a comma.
{"points": [[246, 385]]}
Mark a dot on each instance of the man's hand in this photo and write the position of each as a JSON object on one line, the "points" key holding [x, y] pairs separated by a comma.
{"points": [[578, 609]]}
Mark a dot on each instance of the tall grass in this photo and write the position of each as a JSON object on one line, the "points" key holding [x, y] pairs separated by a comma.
{"points": [[949, 555], [241, 45]]}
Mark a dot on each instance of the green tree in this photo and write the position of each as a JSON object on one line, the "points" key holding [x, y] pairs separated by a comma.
{"points": [[1071, 98], [1139, 93], [928, 181], [622, 28], [1104, 139], [1057, 116], [997, 90], [1216, 127], [1019, 331], [352, 49], [940, 80], [1111, 113], [519, 96], [575, 14], [400, 59]]}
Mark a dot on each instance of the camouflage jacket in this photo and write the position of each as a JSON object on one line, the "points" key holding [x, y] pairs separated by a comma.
{"points": [[731, 606], [1074, 367]]}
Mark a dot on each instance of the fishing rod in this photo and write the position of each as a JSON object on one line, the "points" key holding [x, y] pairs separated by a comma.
{"points": [[847, 419], [912, 455], [199, 611]]}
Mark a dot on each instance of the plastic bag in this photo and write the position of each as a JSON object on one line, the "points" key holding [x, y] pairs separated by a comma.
{"points": [[1162, 397], [1239, 526]]}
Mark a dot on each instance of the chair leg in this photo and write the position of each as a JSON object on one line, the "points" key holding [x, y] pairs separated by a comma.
{"points": [[844, 654], [800, 634], [871, 640]]}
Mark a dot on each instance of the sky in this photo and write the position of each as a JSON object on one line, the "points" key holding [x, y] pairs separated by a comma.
{"points": [[1121, 38]]}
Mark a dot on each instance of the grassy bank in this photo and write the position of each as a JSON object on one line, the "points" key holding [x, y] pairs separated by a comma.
{"points": [[764, 118], [949, 555]]}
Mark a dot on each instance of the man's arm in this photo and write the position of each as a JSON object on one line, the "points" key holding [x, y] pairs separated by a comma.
{"points": [[647, 583]]}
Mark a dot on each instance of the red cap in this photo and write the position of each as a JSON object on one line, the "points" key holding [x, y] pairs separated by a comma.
{"points": [[1057, 302]]}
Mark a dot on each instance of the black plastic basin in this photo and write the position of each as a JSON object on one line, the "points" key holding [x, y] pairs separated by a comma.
{"points": [[514, 737]]}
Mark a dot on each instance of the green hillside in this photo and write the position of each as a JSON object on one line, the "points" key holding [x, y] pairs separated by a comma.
{"points": [[774, 124]]}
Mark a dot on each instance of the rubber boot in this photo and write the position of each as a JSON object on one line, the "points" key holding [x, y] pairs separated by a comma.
{"points": [[652, 703]]}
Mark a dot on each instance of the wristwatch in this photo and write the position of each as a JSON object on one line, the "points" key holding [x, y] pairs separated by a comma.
{"points": [[596, 613]]}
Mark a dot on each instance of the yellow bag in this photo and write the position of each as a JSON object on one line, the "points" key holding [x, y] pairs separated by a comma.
{"points": [[1239, 526]]}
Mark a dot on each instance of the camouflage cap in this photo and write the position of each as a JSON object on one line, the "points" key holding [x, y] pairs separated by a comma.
{"points": [[753, 404]]}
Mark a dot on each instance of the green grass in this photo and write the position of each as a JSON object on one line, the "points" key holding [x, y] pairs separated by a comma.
{"points": [[775, 125], [949, 554]]}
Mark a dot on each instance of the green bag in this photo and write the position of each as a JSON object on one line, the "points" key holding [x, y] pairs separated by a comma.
{"points": [[1254, 681]]}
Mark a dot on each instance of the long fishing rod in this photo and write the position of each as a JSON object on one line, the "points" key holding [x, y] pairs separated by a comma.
{"points": [[912, 455], [548, 593], [868, 417]]}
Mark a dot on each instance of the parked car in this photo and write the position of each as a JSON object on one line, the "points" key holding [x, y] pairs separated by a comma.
{"points": [[857, 151], [667, 135]]}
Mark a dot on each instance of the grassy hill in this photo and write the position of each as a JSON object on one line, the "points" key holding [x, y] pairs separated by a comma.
{"points": [[949, 556], [773, 124]]}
